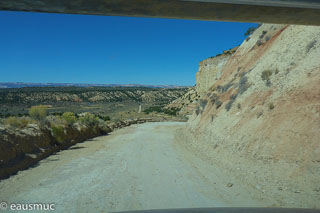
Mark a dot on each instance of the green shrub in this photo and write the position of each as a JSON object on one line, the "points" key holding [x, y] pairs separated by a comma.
{"points": [[153, 109], [239, 106], [56, 113], [69, 117], [243, 84], [259, 43], [263, 34], [159, 109], [58, 133], [250, 31], [266, 75], [105, 117], [229, 105], [38, 112], [89, 120], [172, 111], [271, 106], [203, 103], [234, 97], [198, 111], [213, 98]]}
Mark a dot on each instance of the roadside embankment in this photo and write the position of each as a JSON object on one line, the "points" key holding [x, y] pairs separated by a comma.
{"points": [[21, 148]]}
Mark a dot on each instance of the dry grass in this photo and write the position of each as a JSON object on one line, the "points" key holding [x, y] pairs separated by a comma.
{"points": [[17, 122]]}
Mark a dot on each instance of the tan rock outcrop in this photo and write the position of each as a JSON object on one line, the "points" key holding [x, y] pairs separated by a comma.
{"points": [[210, 70], [261, 113]]}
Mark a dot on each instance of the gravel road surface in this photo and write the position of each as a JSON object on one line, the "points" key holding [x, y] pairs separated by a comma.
{"points": [[134, 168]]}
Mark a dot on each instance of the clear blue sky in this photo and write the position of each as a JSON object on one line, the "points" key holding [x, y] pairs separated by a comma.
{"points": [[59, 48]]}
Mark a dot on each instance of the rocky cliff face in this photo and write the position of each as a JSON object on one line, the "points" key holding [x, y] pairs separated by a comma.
{"points": [[187, 103], [210, 70], [259, 113]]}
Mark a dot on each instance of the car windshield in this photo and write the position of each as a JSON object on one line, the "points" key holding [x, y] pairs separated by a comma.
{"points": [[111, 106]]}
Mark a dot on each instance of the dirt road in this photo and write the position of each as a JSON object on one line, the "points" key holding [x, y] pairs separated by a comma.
{"points": [[138, 167]]}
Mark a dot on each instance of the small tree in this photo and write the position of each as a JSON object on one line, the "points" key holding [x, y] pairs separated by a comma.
{"points": [[38, 112]]}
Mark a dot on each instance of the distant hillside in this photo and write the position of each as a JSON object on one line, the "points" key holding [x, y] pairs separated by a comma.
{"points": [[55, 95], [22, 84]]}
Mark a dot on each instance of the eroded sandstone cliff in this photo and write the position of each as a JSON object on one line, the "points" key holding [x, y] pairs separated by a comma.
{"points": [[210, 70], [259, 113]]}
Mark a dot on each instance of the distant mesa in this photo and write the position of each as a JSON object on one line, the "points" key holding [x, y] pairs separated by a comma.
{"points": [[22, 85]]}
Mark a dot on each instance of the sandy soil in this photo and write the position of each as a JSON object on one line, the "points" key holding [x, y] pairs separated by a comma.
{"points": [[135, 168]]}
